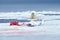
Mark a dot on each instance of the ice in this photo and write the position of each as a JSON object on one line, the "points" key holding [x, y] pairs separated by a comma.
{"points": [[48, 30]]}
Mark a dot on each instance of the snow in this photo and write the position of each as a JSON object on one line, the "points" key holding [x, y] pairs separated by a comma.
{"points": [[48, 30]]}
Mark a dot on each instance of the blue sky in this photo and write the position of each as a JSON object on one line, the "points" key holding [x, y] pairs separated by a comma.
{"points": [[25, 5], [28, 1]]}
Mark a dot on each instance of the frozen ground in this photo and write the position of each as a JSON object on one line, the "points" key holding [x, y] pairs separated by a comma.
{"points": [[49, 30]]}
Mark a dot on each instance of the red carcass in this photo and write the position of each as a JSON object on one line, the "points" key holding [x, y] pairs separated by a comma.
{"points": [[14, 23]]}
